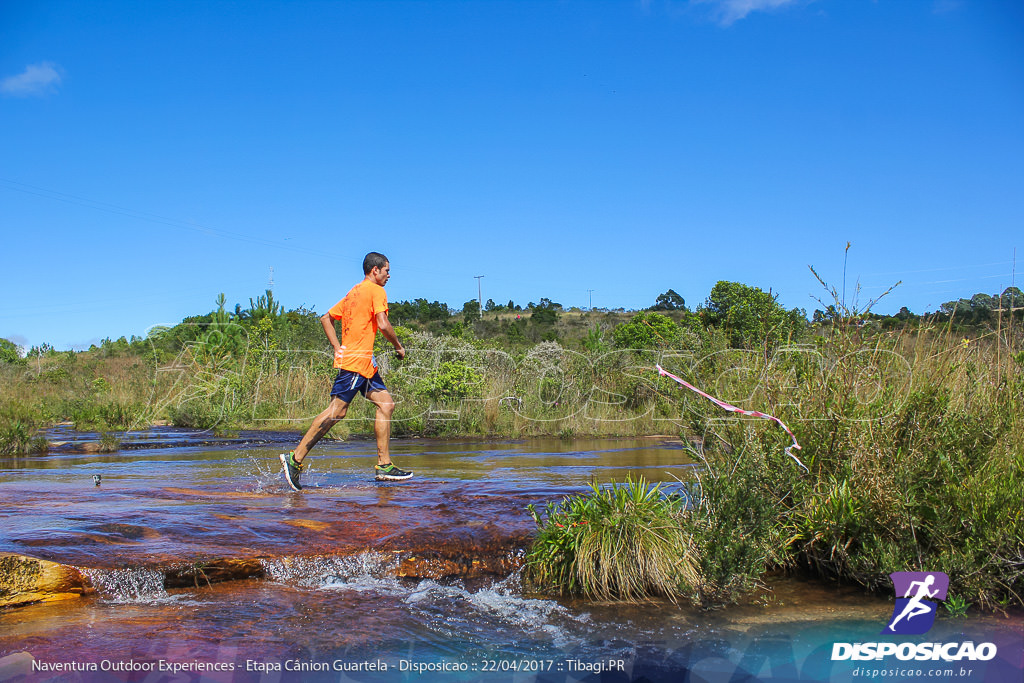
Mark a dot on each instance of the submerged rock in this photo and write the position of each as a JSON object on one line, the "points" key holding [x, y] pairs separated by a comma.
{"points": [[198, 574], [16, 665], [26, 579], [448, 565]]}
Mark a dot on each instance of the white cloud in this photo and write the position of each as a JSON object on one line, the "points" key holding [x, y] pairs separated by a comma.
{"points": [[35, 81], [727, 12]]}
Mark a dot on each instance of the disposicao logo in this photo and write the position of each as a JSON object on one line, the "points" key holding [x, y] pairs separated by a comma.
{"points": [[914, 614]]}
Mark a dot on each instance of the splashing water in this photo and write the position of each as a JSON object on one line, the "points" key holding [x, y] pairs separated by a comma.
{"points": [[263, 473], [502, 605], [351, 571], [447, 609], [128, 586]]}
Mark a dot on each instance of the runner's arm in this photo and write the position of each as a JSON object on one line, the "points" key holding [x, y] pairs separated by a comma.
{"points": [[332, 336], [384, 325]]}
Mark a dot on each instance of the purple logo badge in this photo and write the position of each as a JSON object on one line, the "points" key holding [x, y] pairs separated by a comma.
{"points": [[914, 612]]}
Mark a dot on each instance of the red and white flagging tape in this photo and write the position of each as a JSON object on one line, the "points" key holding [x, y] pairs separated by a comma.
{"points": [[733, 409]]}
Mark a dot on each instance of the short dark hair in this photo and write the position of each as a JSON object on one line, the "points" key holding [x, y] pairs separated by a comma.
{"points": [[374, 260]]}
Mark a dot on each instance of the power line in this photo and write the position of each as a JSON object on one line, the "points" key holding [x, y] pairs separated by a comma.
{"points": [[937, 282], [935, 270], [145, 216], [107, 207]]}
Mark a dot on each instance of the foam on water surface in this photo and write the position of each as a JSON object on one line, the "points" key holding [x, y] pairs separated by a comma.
{"points": [[134, 586]]}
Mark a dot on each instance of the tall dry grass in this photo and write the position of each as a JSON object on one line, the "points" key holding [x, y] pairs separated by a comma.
{"points": [[915, 451]]}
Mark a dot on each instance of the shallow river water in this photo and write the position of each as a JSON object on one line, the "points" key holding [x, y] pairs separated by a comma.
{"points": [[356, 580]]}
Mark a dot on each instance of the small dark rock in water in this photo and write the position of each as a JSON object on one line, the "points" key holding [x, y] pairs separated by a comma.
{"points": [[96, 479]]}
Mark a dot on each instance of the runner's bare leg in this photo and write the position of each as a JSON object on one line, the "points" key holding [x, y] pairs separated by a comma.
{"points": [[322, 424], [382, 423]]}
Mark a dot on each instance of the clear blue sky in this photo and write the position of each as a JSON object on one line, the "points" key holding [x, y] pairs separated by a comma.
{"points": [[155, 154]]}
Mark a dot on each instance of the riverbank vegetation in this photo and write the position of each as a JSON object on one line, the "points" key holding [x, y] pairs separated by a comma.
{"points": [[910, 427], [506, 370], [913, 444]]}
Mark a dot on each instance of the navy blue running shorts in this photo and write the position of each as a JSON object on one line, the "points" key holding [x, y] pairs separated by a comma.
{"points": [[347, 384]]}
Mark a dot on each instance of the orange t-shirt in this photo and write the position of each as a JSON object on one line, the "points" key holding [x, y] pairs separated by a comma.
{"points": [[358, 314]]}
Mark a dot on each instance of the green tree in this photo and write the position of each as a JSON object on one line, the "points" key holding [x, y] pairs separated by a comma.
{"points": [[1011, 297], [669, 301], [829, 314], [751, 316], [545, 304], [983, 306], [420, 310], [544, 316], [549, 304], [263, 307], [959, 310], [9, 352], [594, 341], [222, 336], [43, 349], [471, 310]]}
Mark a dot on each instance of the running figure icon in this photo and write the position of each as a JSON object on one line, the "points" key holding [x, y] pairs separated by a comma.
{"points": [[916, 607]]}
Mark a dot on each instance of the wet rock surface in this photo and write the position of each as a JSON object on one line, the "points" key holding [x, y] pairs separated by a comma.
{"points": [[197, 537], [24, 580], [199, 510]]}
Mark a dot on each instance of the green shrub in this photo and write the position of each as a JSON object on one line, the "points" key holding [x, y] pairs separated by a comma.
{"points": [[109, 443], [738, 525], [9, 353], [647, 331], [19, 426], [922, 472], [621, 542], [98, 414], [196, 414], [453, 381], [18, 437], [544, 316]]}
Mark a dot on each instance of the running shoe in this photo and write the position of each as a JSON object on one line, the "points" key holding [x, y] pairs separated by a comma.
{"points": [[292, 470], [390, 473]]}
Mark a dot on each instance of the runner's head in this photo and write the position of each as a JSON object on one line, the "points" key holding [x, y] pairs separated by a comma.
{"points": [[373, 260], [377, 268]]}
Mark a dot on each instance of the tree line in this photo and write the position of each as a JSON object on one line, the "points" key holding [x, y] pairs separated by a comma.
{"points": [[748, 314]]}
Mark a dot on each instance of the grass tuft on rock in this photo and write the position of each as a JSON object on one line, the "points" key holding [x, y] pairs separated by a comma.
{"points": [[622, 542]]}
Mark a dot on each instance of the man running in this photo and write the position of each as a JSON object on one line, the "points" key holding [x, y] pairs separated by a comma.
{"points": [[362, 312]]}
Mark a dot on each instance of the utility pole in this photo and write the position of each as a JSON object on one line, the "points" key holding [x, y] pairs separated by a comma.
{"points": [[479, 296], [591, 293], [1013, 284], [271, 284]]}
